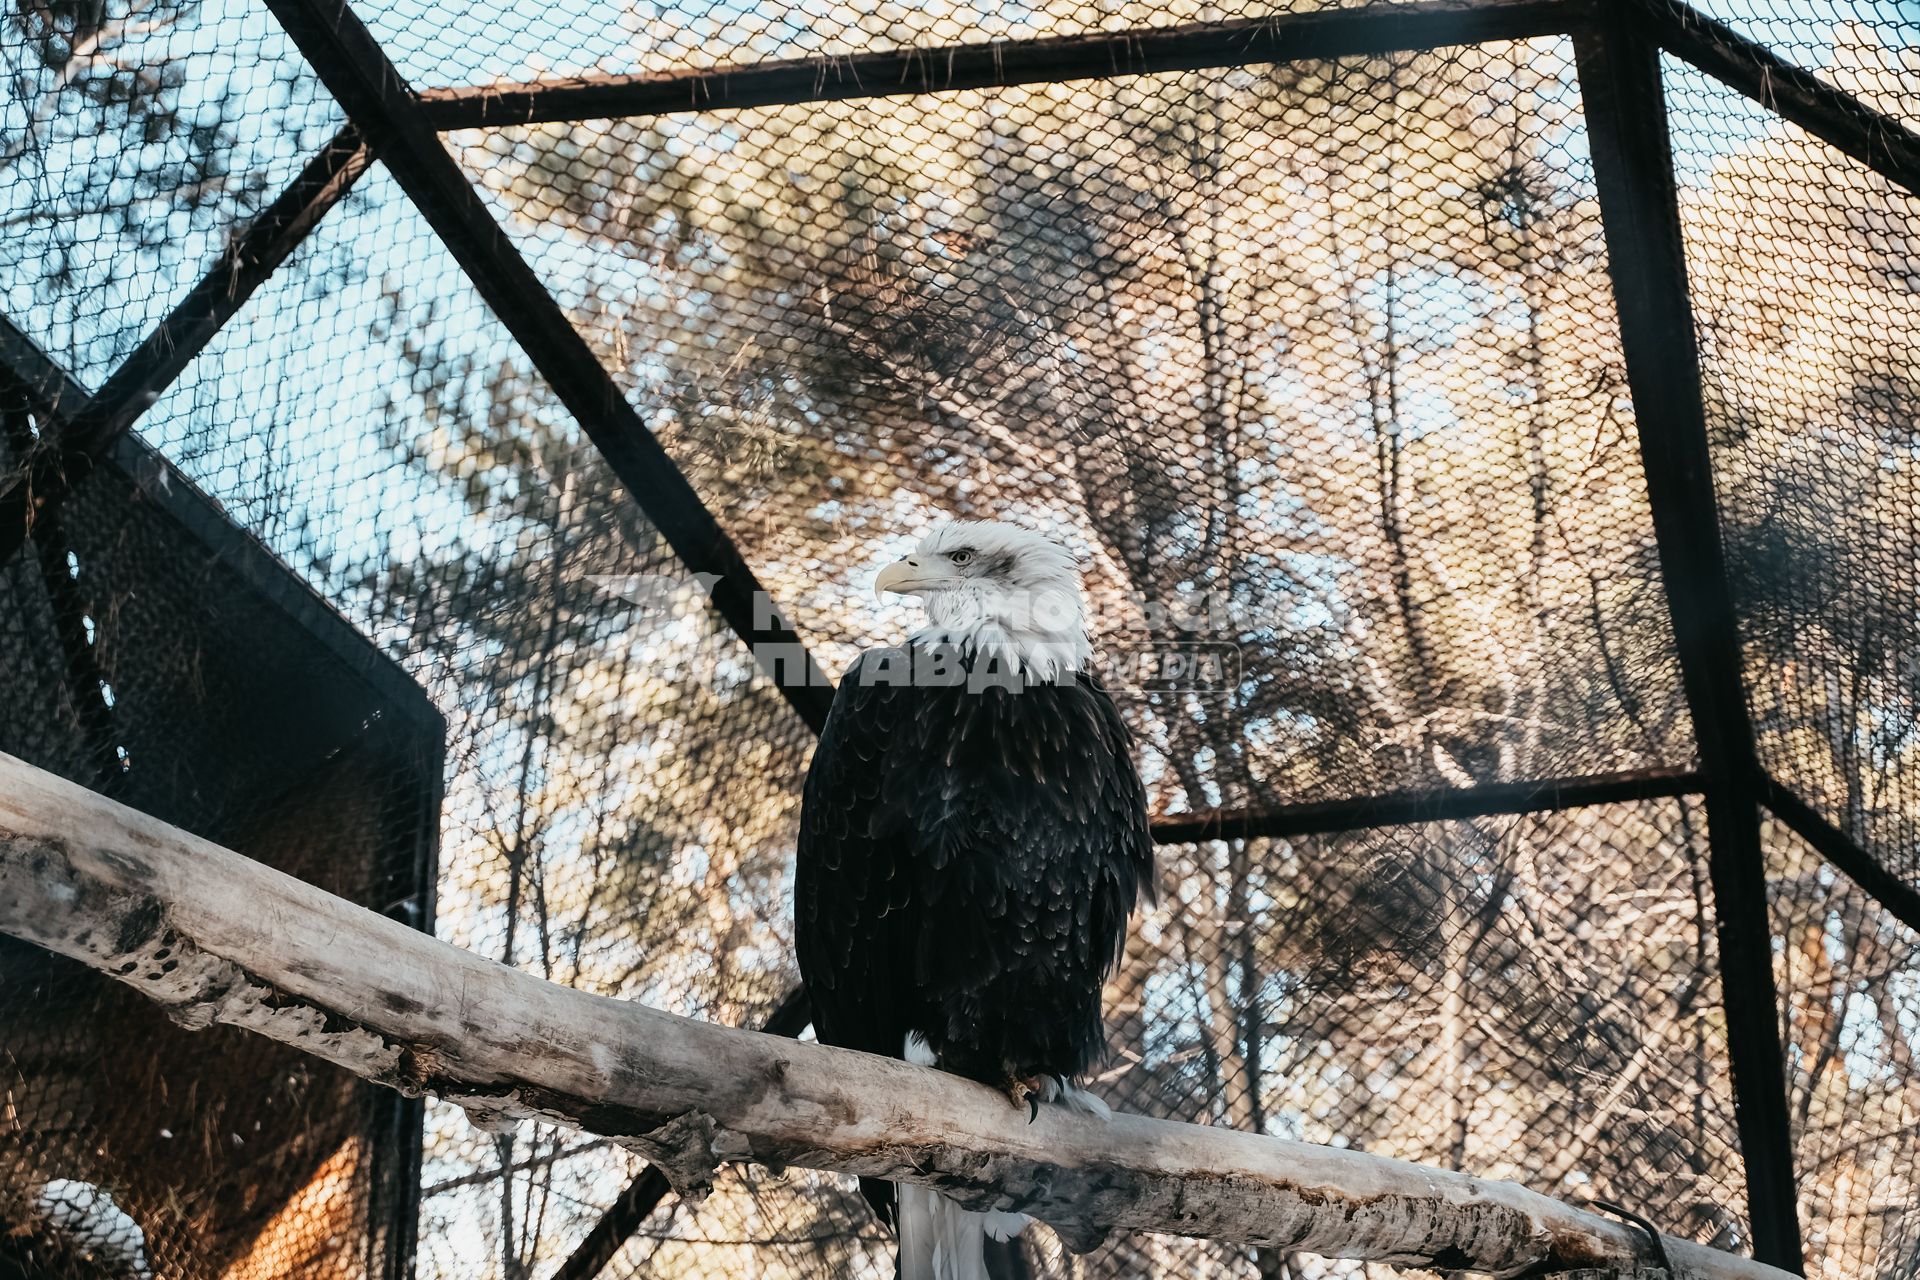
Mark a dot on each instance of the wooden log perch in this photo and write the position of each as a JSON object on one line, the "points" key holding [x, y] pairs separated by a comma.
{"points": [[215, 937]]}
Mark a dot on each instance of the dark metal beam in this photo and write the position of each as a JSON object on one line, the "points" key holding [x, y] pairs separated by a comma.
{"points": [[367, 84], [1880, 142], [643, 1195], [82, 429], [49, 390], [1620, 87], [1285, 37], [1839, 848], [1394, 808]]}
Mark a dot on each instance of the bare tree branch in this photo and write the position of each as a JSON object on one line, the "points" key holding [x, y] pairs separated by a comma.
{"points": [[215, 937]]}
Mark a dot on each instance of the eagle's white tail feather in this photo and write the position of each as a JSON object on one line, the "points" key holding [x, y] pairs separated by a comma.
{"points": [[939, 1240], [1074, 1098]]}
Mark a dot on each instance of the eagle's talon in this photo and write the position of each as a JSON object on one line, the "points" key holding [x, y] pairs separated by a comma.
{"points": [[1025, 1093]]}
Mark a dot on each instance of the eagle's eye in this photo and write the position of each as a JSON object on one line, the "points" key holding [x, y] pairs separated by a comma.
{"points": [[961, 556]]}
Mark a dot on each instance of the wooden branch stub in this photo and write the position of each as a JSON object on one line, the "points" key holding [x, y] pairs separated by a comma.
{"points": [[215, 937]]}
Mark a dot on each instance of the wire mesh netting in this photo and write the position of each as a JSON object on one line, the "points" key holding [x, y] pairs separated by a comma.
{"points": [[1867, 48], [622, 783], [1259, 995], [1356, 311], [1807, 293], [138, 134], [1316, 367], [1850, 989], [471, 44], [151, 657]]}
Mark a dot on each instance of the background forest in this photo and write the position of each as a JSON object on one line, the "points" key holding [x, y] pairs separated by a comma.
{"points": [[1318, 359]]}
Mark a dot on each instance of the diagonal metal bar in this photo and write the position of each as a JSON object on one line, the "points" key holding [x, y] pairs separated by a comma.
{"points": [[643, 1195], [1878, 141], [80, 427], [1394, 808], [1620, 87], [360, 75], [1844, 852], [1285, 37]]}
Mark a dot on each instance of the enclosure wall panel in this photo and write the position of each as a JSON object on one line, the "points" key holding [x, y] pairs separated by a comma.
{"points": [[1236, 42], [1850, 989], [247, 714], [623, 782], [1356, 311], [1465, 994], [1808, 304], [135, 137], [472, 45]]}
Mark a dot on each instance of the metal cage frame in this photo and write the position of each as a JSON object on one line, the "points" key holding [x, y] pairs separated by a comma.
{"points": [[1618, 46]]}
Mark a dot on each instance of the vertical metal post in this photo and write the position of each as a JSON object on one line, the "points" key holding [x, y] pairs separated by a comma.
{"points": [[1633, 166]]}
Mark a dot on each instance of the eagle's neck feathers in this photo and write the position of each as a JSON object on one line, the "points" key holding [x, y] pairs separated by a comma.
{"points": [[1047, 640]]}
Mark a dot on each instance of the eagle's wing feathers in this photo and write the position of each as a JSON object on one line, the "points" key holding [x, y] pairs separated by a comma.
{"points": [[852, 897], [967, 863]]}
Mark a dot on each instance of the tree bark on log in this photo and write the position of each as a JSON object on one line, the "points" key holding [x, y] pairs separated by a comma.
{"points": [[215, 937]]}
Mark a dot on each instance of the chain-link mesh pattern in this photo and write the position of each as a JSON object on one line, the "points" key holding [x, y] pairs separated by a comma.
{"points": [[1807, 294], [135, 136], [1849, 976], [153, 655], [468, 43], [797, 1224], [1314, 364], [1868, 48], [622, 784], [1366, 300], [1388, 991]]}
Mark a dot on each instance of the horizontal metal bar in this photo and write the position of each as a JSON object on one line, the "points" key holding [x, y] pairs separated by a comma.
{"points": [[1284, 37], [644, 1193], [77, 430], [1843, 851], [1878, 141], [1444, 804], [359, 74]]}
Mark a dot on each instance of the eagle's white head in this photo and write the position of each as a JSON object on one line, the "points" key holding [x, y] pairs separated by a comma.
{"points": [[992, 586]]}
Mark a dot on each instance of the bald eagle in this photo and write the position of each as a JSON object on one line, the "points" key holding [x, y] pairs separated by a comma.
{"points": [[973, 838]]}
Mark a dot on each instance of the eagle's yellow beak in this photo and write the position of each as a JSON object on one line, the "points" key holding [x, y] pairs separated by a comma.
{"points": [[902, 577]]}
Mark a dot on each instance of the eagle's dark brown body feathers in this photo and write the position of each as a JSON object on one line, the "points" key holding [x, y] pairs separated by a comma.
{"points": [[968, 859]]}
